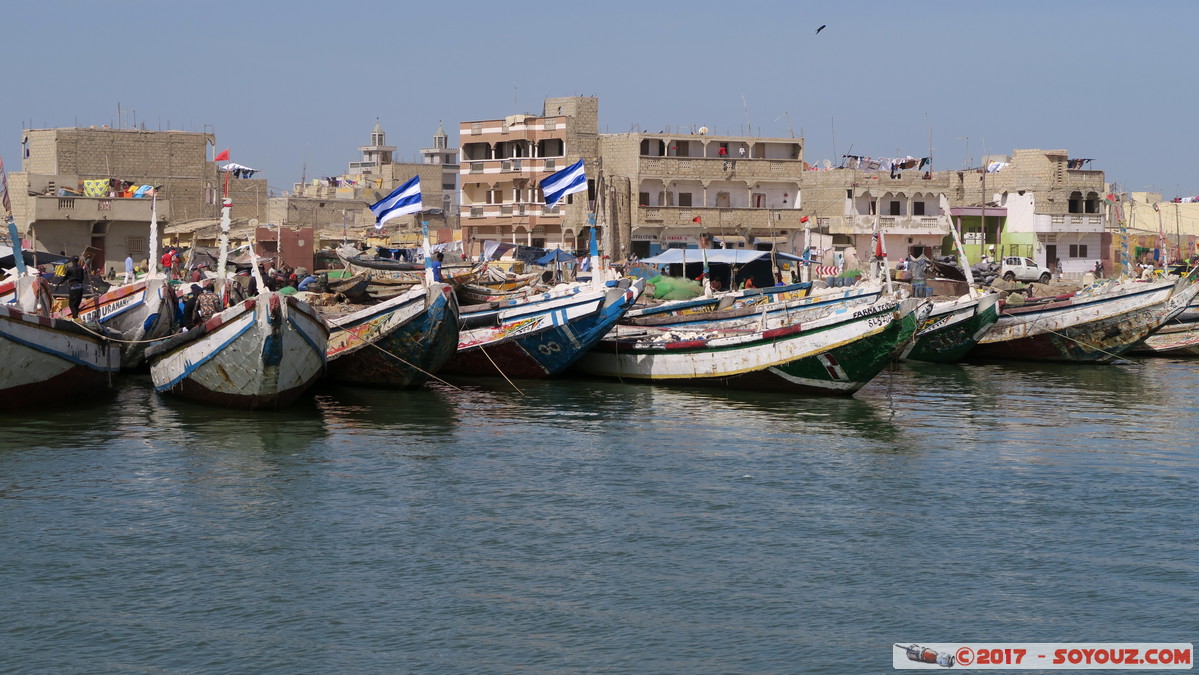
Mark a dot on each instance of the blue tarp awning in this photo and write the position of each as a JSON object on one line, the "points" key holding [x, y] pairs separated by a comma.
{"points": [[556, 255], [731, 256]]}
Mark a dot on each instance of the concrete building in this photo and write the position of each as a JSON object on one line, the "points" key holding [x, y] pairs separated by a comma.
{"points": [[53, 208], [1054, 208], [847, 206], [665, 190], [1156, 229], [1034, 203], [502, 162], [337, 208], [441, 154]]}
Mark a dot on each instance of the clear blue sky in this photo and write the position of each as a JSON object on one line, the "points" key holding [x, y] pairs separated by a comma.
{"points": [[289, 84]]}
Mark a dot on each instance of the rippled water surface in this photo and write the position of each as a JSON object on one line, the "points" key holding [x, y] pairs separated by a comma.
{"points": [[601, 527]]}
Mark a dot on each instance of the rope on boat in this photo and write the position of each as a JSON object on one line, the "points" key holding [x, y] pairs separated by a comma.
{"points": [[410, 365], [497, 369], [109, 338], [1080, 342]]}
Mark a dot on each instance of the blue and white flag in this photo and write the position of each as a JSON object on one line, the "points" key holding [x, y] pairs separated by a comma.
{"points": [[402, 201], [565, 182]]}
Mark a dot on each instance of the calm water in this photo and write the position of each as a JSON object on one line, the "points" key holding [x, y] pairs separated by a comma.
{"points": [[590, 527]]}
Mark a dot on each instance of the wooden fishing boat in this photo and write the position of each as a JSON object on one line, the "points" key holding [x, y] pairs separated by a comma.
{"points": [[1175, 338], [382, 289], [137, 313], [1095, 325], [352, 286], [45, 360], [542, 335], [826, 350], [748, 303], [401, 271], [398, 343], [953, 328], [263, 352], [492, 284]]}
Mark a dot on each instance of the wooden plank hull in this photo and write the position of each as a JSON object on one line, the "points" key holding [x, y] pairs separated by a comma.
{"points": [[139, 312], [399, 343], [262, 353], [718, 307], [48, 361], [837, 353], [1089, 327], [952, 329], [769, 305], [541, 337], [1172, 339]]}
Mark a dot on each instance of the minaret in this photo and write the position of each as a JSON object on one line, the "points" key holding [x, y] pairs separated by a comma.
{"points": [[375, 155]]}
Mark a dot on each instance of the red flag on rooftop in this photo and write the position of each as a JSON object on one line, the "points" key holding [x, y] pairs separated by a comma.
{"points": [[804, 219], [695, 219], [223, 157]]}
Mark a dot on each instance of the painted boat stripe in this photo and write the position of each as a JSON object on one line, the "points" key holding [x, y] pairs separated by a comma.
{"points": [[193, 366]]}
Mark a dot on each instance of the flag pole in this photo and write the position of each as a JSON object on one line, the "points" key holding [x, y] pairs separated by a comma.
{"points": [[226, 208], [596, 281], [18, 257], [152, 270], [424, 231]]}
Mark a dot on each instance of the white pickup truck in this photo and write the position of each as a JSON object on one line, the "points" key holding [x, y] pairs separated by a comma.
{"points": [[1015, 268]]}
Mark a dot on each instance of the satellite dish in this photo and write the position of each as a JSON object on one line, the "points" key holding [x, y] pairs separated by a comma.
{"points": [[253, 222], [703, 131], [826, 163]]}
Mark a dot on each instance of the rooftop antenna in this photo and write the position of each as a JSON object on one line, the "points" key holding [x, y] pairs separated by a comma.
{"points": [[789, 127], [930, 143], [970, 160], [744, 104], [834, 124]]}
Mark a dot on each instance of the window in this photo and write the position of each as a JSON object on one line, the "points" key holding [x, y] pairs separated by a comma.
{"points": [[684, 199], [643, 198], [917, 208], [1078, 250], [893, 208], [136, 245], [759, 200]]}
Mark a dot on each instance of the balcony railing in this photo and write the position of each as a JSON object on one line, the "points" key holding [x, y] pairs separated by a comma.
{"points": [[98, 208]]}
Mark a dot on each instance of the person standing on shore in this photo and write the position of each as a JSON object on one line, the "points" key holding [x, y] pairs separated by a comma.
{"points": [[129, 276]]}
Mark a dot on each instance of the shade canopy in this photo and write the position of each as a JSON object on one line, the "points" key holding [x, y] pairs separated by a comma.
{"points": [[556, 255], [731, 256]]}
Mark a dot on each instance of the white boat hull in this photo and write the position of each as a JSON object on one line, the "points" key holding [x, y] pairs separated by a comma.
{"points": [[263, 352]]}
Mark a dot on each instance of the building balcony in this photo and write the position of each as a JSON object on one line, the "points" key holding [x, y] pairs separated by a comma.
{"points": [[712, 167], [1074, 222], [507, 211], [714, 219], [521, 165], [913, 225], [91, 209]]}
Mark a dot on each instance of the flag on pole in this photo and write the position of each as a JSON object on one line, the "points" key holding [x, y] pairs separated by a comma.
{"points": [[804, 219], [402, 201], [696, 220], [222, 157], [568, 181], [4, 189]]}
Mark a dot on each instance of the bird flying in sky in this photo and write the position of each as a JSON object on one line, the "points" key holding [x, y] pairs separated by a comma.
{"points": [[821, 28]]}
